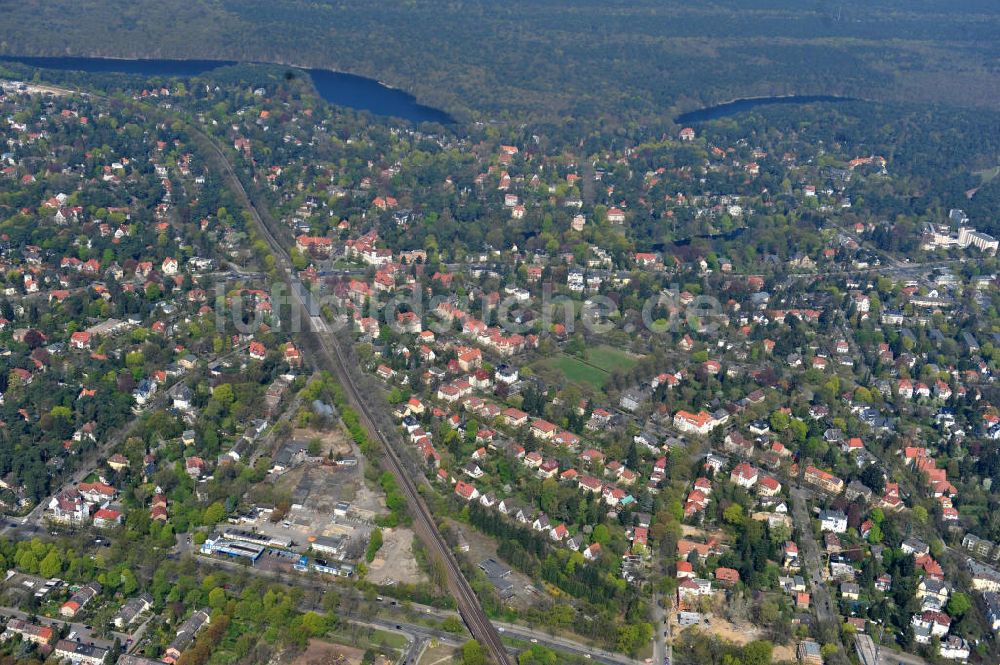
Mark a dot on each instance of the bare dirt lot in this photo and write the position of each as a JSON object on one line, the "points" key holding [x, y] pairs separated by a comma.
{"points": [[319, 487], [440, 654], [328, 653], [315, 490], [395, 561], [701, 535], [737, 634], [333, 440]]}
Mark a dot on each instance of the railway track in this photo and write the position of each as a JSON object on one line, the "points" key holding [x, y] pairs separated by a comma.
{"points": [[424, 525]]}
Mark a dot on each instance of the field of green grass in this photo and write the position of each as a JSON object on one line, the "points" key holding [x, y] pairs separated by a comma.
{"points": [[988, 175], [577, 371], [609, 358], [594, 369]]}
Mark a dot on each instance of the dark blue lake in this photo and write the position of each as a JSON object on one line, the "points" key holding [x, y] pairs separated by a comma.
{"points": [[356, 92], [743, 105]]}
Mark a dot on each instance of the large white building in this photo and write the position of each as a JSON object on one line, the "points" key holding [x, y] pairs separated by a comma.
{"points": [[695, 423], [937, 236], [833, 520]]}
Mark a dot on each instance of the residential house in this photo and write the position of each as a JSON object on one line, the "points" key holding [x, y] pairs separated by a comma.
{"points": [[744, 475], [78, 652], [700, 423], [29, 632], [823, 480], [833, 520], [131, 610], [185, 636], [80, 599]]}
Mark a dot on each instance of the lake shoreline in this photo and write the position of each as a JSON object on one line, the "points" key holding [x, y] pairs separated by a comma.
{"points": [[336, 87], [743, 104]]}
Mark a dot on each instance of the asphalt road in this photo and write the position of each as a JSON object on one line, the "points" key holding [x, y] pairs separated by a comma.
{"points": [[825, 609], [662, 639], [514, 631]]}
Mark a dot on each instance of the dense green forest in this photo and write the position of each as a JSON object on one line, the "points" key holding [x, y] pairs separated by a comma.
{"points": [[628, 60]]}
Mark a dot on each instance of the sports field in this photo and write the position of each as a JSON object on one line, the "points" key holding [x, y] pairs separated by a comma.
{"points": [[595, 368]]}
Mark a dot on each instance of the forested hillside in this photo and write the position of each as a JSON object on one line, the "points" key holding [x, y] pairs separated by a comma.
{"points": [[629, 60]]}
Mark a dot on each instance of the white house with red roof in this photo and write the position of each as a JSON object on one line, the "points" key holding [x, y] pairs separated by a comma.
{"points": [[169, 266], [744, 475], [543, 429], [107, 518], [696, 502], [548, 469], [194, 466], [695, 423], [515, 417], [257, 350], [930, 624], [566, 439], [768, 486], [466, 490], [590, 484], [292, 355], [694, 587], [533, 460], [853, 444], [80, 340], [321, 246], [97, 492], [791, 555]]}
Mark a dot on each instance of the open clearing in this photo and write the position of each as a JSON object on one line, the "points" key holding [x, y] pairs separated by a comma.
{"points": [[576, 371], [594, 368], [333, 440], [440, 654], [328, 653], [608, 358], [395, 561], [737, 634], [987, 175]]}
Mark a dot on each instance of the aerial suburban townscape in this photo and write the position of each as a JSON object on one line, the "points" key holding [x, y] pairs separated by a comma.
{"points": [[297, 370]]}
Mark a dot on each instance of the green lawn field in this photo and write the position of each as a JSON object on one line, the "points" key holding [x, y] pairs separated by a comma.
{"points": [[593, 370]]}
